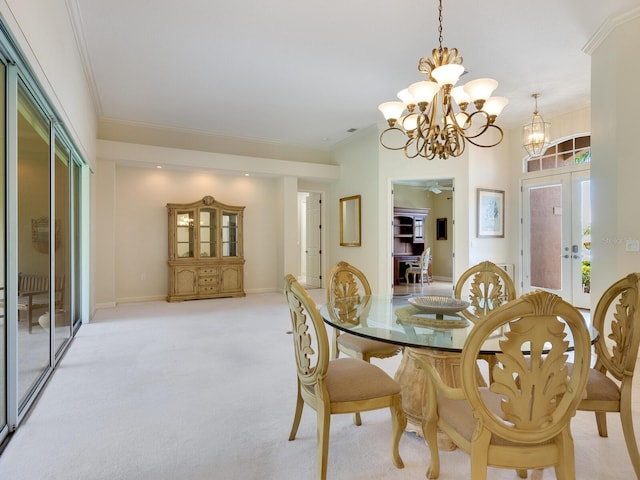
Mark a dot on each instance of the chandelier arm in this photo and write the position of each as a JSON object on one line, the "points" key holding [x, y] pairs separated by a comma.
{"points": [[492, 144], [483, 128], [412, 142], [386, 130]]}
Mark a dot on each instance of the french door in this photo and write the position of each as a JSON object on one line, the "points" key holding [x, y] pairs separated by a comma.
{"points": [[557, 235]]}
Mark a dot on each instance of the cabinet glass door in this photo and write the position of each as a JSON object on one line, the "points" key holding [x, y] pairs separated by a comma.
{"points": [[208, 232], [418, 230], [229, 234], [184, 234]]}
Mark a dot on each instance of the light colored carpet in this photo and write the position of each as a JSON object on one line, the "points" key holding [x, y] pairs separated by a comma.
{"points": [[206, 390]]}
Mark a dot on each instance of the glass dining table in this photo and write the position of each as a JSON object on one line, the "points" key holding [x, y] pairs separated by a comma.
{"points": [[438, 337]]}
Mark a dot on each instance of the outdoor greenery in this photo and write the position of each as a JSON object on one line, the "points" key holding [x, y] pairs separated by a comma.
{"points": [[586, 275], [586, 264], [583, 158]]}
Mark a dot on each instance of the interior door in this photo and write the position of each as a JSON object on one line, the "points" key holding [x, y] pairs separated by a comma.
{"points": [[313, 246], [556, 236]]}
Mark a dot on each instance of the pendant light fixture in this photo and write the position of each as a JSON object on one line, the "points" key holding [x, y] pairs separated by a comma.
{"points": [[535, 135]]}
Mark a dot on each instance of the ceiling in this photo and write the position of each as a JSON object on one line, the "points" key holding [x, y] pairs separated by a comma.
{"points": [[305, 73]]}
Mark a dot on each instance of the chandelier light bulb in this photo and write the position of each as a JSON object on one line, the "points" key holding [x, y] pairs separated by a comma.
{"points": [[447, 74], [494, 105], [406, 97], [424, 91], [410, 122], [461, 97], [391, 110], [480, 89]]}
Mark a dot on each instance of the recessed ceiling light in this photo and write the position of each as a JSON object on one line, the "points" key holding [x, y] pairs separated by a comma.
{"points": [[158, 166]]}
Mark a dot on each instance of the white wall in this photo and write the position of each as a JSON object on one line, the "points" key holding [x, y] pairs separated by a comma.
{"points": [[615, 168], [105, 234], [358, 160], [45, 35], [139, 222]]}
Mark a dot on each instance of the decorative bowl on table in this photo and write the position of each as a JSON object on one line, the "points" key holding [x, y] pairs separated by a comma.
{"points": [[439, 305]]}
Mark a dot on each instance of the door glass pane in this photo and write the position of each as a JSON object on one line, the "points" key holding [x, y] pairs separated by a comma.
{"points": [[184, 234], [585, 243], [3, 316], [62, 249], [229, 234], [74, 282], [207, 232], [33, 244], [545, 214]]}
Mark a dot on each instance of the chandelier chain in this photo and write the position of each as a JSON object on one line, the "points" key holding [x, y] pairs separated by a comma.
{"points": [[440, 23]]}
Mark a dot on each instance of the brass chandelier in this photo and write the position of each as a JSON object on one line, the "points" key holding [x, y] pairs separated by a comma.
{"points": [[436, 122]]}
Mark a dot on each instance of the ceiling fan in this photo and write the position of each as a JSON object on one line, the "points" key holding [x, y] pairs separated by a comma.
{"points": [[436, 188]]}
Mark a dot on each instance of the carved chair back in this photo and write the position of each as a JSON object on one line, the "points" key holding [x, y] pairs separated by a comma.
{"points": [[539, 393], [617, 346], [310, 342], [489, 287], [347, 293]]}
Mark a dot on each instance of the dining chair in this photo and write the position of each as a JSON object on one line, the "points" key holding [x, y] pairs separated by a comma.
{"points": [[488, 287], [522, 420], [421, 267], [617, 318], [345, 385], [348, 292]]}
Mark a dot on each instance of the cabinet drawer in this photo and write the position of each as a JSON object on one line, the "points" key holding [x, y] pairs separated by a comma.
{"points": [[207, 271], [207, 280], [208, 289]]}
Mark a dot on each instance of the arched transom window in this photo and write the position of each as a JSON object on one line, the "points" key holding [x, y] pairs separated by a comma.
{"points": [[571, 151]]}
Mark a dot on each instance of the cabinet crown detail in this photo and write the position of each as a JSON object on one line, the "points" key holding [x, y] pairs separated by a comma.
{"points": [[205, 250]]}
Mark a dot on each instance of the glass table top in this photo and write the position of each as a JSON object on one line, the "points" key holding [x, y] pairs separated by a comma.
{"points": [[394, 320]]}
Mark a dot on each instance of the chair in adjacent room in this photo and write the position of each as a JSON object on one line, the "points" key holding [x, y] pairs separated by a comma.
{"points": [[33, 294], [522, 420], [617, 318], [345, 385], [421, 267]]}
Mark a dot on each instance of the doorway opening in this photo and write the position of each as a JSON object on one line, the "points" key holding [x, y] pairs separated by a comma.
{"points": [[423, 219]]}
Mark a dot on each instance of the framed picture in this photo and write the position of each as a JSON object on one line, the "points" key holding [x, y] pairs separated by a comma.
{"points": [[490, 209], [350, 228], [441, 228]]}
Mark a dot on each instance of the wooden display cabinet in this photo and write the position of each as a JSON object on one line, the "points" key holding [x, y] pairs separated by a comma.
{"points": [[408, 238], [205, 250]]}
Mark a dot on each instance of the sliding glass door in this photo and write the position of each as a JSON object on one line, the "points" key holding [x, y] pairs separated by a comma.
{"points": [[3, 255], [42, 177], [34, 262], [62, 251]]}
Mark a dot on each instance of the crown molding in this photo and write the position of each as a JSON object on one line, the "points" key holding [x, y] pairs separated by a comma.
{"points": [[609, 25]]}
